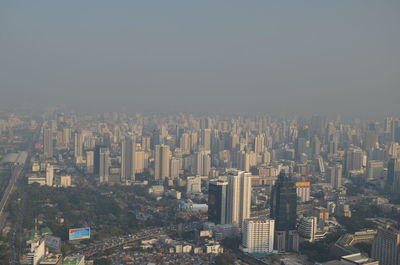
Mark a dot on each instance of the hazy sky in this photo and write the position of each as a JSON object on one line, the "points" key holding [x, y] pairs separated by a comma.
{"points": [[337, 56]]}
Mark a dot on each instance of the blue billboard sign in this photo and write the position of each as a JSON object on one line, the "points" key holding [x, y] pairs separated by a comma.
{"points": [[79, 233]]}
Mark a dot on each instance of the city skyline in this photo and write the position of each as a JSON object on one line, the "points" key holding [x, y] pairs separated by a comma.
{"points": [[200, 132]]}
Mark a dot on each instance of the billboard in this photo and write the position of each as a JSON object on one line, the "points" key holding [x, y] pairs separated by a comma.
{"points": [[53, 242], [79, 233], [303, 184]]}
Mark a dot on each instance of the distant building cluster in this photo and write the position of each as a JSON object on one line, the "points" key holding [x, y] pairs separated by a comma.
{"points": [[274, 182]]}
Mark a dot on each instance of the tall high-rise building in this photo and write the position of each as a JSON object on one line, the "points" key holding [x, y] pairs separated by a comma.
{"points": [[217, 201], [353, 160], [243, 161], [386, 246], [284, 212], [90, 162], [302, 147], [393, 176], [332, 145], [161, 162], [315, 146], [78, 146], [184, 143], [335, 176], [205, 139], [202, 163], [47, 143], [49, 175], [194, 140], [139, 161], [375, 169], [239, 197], [97, 158], [128, 161], [303, 190], [284, 203], [66, 137], [146, 143], [175, 167], [259, 144], [104, 164], [258, 235]]}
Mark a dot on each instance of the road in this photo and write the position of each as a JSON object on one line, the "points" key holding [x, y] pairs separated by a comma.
{"points": [[121, 240], [17, 226], [117, 241], [16, 171]]}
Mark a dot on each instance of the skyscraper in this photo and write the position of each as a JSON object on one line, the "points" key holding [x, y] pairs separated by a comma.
{"points": [[335, 176], [78, 147], [243, 161], [161, 162], [202, 163], [184, 143], [217, 202], [104, 164], [353, 160], [284, 211], [175, 167], [128, 163], [90, 162], [393, 176], [49, 175], [386, 246], [47, 143], [205, 139], [259, 146], [140, 161], [97, 158], [66, 136], [239, 197]]}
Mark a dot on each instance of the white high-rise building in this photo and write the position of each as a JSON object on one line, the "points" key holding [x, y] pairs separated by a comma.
{"points": [[303, 190], [258, 235], [161, 162], [128, 163], [49, 175], [239, 197], [202, 163]]}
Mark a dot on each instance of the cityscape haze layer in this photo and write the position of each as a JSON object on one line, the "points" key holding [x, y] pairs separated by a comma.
{"points": [[330, 57], [200, 132]]}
